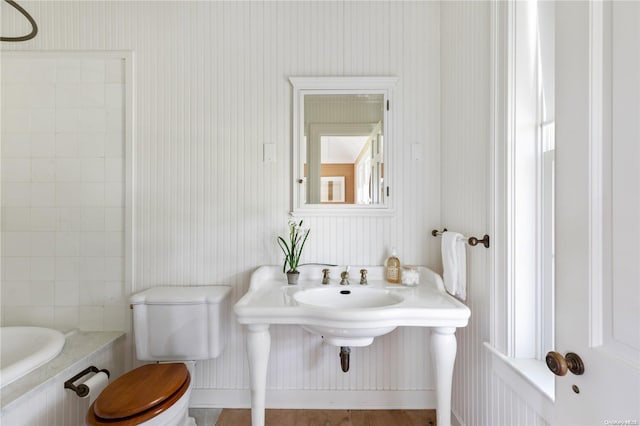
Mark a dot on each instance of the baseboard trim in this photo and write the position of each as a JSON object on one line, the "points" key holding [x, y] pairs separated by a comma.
{"points": [[317, 399]]}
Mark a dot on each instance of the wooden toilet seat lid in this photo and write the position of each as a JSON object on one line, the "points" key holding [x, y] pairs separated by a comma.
{"points": [[142, 389]]}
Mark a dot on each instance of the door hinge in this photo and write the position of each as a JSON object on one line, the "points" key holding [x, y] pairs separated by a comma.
{"points": [[387, 191], [387, 104]]}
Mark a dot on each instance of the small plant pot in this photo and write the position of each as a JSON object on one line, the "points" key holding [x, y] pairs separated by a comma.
{"points": [[292, 277]]}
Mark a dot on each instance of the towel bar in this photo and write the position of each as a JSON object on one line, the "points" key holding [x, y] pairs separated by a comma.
{"points": [[472, 241]]}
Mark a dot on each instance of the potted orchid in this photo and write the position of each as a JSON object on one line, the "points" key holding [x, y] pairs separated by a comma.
{"points": [[293, 250]]}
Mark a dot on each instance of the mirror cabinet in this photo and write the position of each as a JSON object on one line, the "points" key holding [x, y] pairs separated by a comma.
{"points": [[342, 145]]}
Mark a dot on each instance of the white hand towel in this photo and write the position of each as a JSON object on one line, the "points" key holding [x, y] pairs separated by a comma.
{"points": [[454, 264]]}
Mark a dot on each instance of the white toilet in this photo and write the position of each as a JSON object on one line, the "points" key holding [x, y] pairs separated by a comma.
{"points": [[182, 324]]}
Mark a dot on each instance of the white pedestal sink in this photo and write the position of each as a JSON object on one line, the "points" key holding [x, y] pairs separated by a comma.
{"points": [[351, 315]]}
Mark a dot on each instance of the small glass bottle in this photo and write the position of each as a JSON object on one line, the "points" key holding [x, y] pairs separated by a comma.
{"points": [[392, 270]]}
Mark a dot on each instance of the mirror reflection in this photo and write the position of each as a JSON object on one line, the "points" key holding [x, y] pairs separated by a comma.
{"points": [[343, 149]]}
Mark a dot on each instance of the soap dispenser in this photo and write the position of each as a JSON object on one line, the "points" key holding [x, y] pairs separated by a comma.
{"points": [[392, 268]]}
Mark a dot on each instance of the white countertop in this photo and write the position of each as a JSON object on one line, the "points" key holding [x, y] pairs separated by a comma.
{"points": [[78, 346], [269, 300]]}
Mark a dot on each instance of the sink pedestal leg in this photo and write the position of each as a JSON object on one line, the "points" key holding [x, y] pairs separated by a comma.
{"points": [[443, 351], [258, 344]]}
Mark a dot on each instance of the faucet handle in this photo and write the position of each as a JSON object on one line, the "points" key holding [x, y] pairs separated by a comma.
{"points": [[363, 277], [325, 276], [345, 277]]}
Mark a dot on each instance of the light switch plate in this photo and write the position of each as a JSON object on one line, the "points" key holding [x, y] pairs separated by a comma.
{"points": [[269, 152], [416, 152]]}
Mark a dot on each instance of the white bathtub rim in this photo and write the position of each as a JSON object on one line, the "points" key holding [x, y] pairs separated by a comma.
{"points": [[53, 341], [78, 349]]}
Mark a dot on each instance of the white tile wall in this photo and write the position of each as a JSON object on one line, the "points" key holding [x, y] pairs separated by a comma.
{"points": [[58, 184]]}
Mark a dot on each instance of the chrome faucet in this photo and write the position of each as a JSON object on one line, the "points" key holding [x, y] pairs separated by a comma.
{"points": [[345, 277]]}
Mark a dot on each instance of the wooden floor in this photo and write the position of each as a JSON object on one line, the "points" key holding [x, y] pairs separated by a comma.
{"points": [[233, 417]]}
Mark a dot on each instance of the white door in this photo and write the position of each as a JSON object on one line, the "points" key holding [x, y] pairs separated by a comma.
{"points": [[598, 211]]}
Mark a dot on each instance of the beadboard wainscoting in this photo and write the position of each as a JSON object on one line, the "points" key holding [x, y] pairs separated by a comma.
{"points": [[486, 391], [211, 87], [465, 182]]}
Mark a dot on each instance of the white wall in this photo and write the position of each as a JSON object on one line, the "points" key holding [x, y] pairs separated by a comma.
{"points": [[486, 390], [465, 157], [63, 190], [210, 89]]}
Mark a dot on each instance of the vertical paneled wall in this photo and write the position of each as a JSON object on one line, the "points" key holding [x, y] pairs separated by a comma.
{"points": [[481, 395], [210, 88], [465, 175], [510, 407]]}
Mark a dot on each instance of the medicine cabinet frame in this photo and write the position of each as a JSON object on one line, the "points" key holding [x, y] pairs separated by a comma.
{"points": [[302, 86]]}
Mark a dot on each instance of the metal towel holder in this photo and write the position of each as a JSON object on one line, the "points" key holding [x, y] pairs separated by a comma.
{"points": [[472, 241], [82, 390]]}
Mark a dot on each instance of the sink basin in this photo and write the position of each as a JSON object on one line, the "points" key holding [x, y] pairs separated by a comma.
{"points": [[346, 298]]}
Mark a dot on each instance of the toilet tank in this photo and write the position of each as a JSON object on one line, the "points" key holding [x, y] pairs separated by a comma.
{"points": [[180, 323]]}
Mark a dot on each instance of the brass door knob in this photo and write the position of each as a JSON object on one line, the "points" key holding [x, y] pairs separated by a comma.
{"points": [[559, 364]]}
